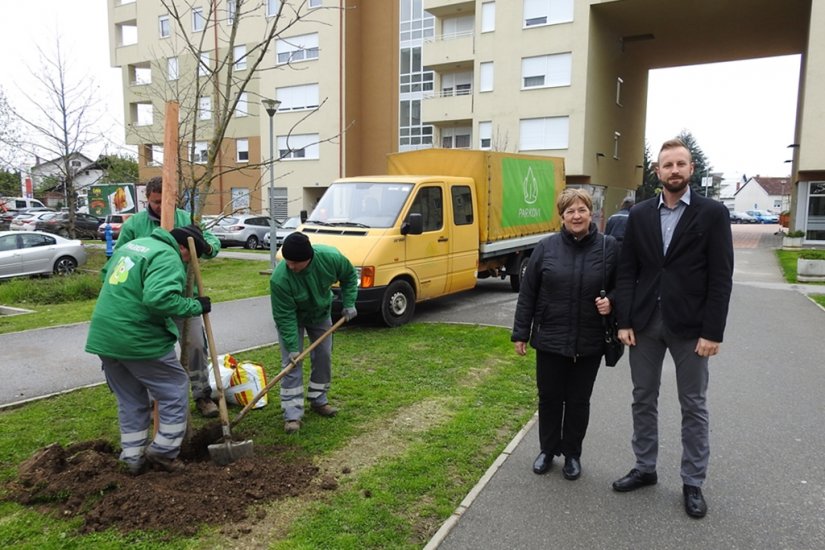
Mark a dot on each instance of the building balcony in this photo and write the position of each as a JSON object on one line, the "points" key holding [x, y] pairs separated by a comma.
{"points": [[449, 52], [447, 108], [444, 8]]}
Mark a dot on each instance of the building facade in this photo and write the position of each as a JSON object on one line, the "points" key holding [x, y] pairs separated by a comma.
{"points": [[360, 79]]}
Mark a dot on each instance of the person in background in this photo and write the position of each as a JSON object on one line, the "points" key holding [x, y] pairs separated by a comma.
{"points": [[617, 222], [672, 294], [133, 334], [143, 224], [559, 311], [301, 297]]}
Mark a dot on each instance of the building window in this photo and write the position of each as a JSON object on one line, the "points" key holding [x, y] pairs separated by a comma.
{"points": [[411, 76], [297, 98], [242, 107], [546, 71], [413, 135], [456, 84], [198, 21], [200, 152], [205, 108], [456, 138], [297, 48], [230, 11], [242, 146], [485, 76], [272, 7], [616, 138], [153, 154], [455, 27], [239, 56], [619, 83], [165, 26], [488, 17], [299, 146], [485, 135], [537, 134], [415, 24], [547, 12], [172, 72], [204, 65], [315, 3], [144, 114]]}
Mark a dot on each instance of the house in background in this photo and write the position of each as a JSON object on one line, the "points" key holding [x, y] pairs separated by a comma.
{"points": [[762, 193], [85, 173]]}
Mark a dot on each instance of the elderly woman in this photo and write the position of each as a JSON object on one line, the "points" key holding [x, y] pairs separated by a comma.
{"points": [[559, 311]]}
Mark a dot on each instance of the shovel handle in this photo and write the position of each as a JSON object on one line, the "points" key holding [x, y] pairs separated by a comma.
{"points": [[210, 338], [285, 370]]}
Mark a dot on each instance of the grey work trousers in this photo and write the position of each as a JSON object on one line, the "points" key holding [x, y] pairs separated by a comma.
{"points": [[292, 385], [197, 356], [132, 382], [646, 359]]}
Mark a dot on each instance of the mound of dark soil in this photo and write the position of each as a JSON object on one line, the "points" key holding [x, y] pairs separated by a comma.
{"points": [[87, 479]]}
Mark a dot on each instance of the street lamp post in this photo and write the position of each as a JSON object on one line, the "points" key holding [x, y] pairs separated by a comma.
{"points": [[271, 106]]}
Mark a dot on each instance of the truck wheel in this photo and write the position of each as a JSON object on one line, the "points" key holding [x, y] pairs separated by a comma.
{"points": [[398, 305], [518, 276]]}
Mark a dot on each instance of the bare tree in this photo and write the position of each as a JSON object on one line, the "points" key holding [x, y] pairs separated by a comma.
{"points": [[10, 137], [64, 120], [209, 56]]}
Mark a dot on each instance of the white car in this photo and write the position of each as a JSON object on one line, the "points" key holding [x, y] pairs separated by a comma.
{"points": [[286, 228], [27, 221], [34, 252]]}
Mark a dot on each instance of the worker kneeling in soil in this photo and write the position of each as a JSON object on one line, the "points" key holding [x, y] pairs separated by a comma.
{"points": [[301, 295], [133, 333]]}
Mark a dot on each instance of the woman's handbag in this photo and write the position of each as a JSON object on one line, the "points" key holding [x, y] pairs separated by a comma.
{"points": [[613, 348]]}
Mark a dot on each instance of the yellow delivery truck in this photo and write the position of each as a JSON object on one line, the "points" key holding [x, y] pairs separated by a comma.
{"points": [[436, 222]]}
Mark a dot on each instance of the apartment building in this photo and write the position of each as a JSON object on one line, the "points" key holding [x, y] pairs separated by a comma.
{"points": [[360, 79]]}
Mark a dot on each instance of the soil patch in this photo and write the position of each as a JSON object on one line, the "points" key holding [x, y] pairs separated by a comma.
{"points": [[86, 479]]}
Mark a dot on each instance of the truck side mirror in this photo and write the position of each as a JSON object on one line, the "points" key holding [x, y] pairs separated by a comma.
{"points": [[413, 225]]}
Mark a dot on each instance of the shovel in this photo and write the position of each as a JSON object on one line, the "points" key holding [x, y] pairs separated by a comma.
{"points": [[228, 451], [285, 370]]}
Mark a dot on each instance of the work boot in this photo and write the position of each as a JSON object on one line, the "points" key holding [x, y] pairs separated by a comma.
{"points": [[324, 410], [134, 468], [206, 407], [292, 426], [163, 463]]}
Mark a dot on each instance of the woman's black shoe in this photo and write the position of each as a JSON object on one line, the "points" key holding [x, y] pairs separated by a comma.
{"points": [[572, 468], [542, 463]]}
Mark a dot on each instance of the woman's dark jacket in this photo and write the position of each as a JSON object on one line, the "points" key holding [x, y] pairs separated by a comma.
{"points": [[556, 310]]}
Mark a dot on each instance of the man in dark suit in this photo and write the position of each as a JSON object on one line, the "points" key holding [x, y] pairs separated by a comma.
{"points": [[672, 293]]}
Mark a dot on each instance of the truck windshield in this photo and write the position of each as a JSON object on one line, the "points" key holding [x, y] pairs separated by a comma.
{"points": [[361, 204]]}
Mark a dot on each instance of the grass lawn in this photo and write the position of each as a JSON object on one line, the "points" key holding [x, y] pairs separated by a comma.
{"points": [[66, 300], [425, 409], [787, 261]]}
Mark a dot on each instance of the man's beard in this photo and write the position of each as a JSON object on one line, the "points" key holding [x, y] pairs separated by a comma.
{"points": [[675, 186]]}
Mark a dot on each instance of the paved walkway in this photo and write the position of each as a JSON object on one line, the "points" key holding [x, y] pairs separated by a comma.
{"points": [[766, 484]]}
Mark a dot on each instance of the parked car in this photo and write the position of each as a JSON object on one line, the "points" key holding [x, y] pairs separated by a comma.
{"points": [[290, 225], [741, 217], [114, 221], [28, 220], [763, 216], [32, 253], [85, 225], [245, 230], [7, 216]]}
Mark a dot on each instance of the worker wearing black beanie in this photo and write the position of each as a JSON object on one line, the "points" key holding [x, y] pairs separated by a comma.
{"points": [[297, 248]]}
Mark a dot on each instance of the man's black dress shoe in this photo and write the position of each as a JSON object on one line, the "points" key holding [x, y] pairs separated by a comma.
{"points": [[634, 480], [572, 468], [695, 504], [542, 463]]}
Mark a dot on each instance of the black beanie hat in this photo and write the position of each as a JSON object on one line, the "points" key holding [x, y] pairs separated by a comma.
{"points": [[181, 233], [296, 247]]}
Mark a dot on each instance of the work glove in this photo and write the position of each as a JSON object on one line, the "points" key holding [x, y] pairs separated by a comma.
{"points": [[349, 313], [205, 302], [293, 358]]}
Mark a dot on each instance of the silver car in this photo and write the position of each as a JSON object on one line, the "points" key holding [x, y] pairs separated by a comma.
{"points": [[245, 230], [33, 252]]}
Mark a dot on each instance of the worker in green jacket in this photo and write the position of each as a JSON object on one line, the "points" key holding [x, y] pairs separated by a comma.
{"points": [[141, 225], [133, 334], [301, 297]]}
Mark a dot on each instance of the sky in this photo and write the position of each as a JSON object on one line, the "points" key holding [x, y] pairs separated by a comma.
{"points": [[742, 114]]}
